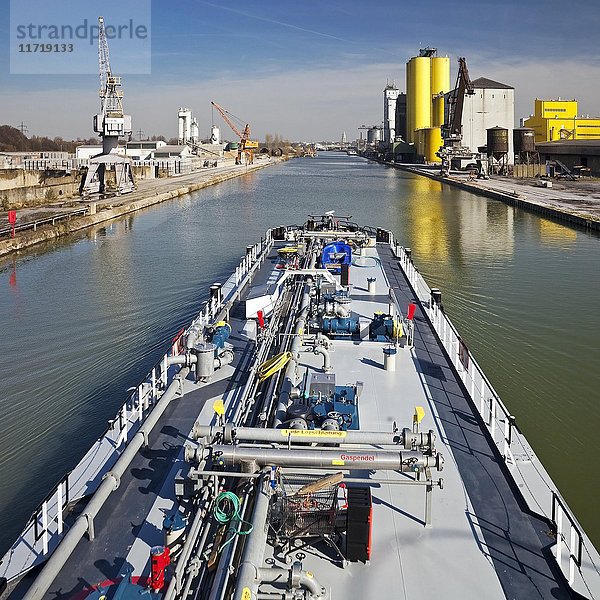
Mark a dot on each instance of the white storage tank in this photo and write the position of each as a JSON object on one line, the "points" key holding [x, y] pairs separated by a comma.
{"points": [[373, 135]]}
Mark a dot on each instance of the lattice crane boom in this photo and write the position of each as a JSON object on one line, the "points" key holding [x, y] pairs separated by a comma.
{"points": [[103, 58], [224, 113], [456, 100], [110, 121]]}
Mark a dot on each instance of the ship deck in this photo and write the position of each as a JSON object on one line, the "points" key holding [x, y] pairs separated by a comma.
{"points": [[483, 542]]}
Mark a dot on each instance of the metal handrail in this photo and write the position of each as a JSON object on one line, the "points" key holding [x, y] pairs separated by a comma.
{"points": [[139, 404], [575, 545], [34, 224], [445, 330], [450, 338]]}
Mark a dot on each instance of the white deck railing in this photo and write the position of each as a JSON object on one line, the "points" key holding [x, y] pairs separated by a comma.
{"points": [[498, 419], [46, 525]]}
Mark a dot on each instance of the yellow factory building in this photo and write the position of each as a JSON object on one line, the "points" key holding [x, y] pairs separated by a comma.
{"points": [[557, 120], [427, 79]]}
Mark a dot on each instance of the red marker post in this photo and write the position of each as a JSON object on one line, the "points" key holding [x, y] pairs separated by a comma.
{"points": [[12, 219], [410, 315]]}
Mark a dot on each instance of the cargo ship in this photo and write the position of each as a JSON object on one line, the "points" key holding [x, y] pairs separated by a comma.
{"points": [[319, 430]]}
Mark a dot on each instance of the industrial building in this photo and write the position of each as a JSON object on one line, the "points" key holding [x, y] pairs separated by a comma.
{"points": [[427, 80], [492, 105], [180, 151], [187, 130], [401, 116], [558, 120], [580, 156], [143, 150], [431, 116], [390, 96]]}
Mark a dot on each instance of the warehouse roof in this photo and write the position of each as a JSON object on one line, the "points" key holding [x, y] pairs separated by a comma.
{"points": [[483, 83], [584, 147]]}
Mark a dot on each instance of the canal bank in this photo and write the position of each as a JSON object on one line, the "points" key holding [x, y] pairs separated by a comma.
{"points": [[93, 311], [152, 192], [562, 205]]}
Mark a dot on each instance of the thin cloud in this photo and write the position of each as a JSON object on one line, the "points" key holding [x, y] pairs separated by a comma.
{"points": [[291, 26], [275, 22], [300, 104]]}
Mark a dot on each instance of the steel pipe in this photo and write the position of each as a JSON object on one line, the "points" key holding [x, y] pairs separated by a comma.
{"points": [[188, 360], [296, 578], [228, 433], [326, 359], [191, 538], [256, 540], [109, 484], [290, 371], [253, 459]]}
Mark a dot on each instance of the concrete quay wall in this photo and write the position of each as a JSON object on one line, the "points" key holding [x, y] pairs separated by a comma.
{"points": [[46, 233], [557, 211]]}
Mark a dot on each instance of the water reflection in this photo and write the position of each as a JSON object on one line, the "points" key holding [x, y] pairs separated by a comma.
{"points": [[84, 317], [555, 233]]}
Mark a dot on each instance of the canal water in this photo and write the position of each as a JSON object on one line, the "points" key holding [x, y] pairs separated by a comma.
{"points": [[84, 318]]}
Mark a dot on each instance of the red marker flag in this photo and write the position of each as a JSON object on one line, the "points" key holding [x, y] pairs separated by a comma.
{"points": [[411, 311], [12, 219]]}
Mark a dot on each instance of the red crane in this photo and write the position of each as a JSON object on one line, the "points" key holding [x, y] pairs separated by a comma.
{"points": [[246, 144]]}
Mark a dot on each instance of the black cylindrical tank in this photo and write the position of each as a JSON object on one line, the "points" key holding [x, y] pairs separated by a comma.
{"points": [[523, 140], [497, 140], [297, 410]]}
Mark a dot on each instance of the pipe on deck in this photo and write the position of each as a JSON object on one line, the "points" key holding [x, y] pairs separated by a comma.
{"points": [[253, 458], [110, 483], [296, 578], [229, 433], [290, 371], [188, 360], [326, 358], [256, 541]]}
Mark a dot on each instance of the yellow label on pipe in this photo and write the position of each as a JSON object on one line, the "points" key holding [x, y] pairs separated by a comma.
{"points": [[337, 462], [312, 433], [246, 594]]}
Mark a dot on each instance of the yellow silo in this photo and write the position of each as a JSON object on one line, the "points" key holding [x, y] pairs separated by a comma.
{"points": [[420, 92], [427, 76], [440, 83], [432, 140], [419, 141], [437, 115]]}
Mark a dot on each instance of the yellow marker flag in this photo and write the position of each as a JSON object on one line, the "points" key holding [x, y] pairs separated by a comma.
{"points": [[419, 414], [219, 407]]}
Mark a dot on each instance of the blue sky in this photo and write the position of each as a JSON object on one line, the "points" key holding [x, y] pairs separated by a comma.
{"points": [[309, 70]]}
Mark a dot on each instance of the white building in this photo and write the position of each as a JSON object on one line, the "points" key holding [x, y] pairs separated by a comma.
{"points": [[143, 150], [390, 95], [179, 151], [492, 104]]}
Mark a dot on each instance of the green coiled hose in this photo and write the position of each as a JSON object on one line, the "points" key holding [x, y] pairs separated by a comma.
{"points": [[227, 509]]}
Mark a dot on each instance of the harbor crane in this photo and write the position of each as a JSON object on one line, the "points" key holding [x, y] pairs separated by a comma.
{"points": [[452, 128], [111, 124], [453, 150], [247, 146]]}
